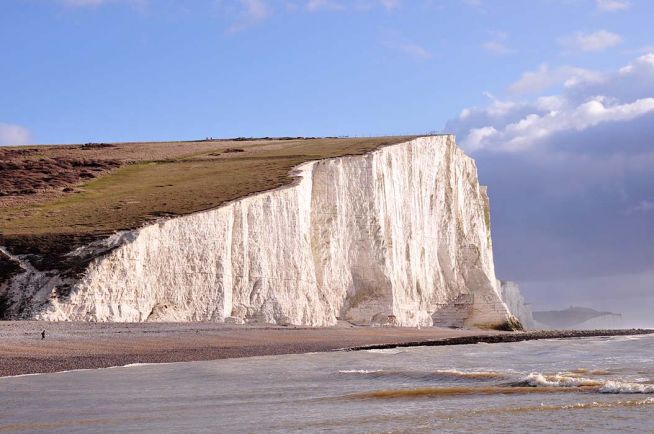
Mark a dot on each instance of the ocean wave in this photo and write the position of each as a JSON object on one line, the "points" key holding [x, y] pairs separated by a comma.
{"points": [[536, 379], [359, 371], [385, 351], [595, 404], [612, 386], [533, 383], [434, 392]]}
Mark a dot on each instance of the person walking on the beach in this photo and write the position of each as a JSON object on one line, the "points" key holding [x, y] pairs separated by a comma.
{"points": [[43, 335]]}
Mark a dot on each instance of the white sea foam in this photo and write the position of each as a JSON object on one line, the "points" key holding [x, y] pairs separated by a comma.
{"points": [[134, 365], [385, 351], [21, 375], [612, 386], [129, 365], [536, 379], [453, 373], [36, 374], [594, 404]]}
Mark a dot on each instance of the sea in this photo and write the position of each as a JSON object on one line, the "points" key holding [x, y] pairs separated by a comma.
{"points": [[566, 385]]}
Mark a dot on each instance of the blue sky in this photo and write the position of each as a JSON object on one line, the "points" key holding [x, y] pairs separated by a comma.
{"points": [[115, 70], [553, 98]]}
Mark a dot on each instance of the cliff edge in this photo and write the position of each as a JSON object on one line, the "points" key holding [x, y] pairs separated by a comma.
{"points": [[397, 236]]}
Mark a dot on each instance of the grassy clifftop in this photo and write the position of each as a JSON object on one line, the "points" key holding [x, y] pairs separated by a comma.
{"points": [[77, 192]]}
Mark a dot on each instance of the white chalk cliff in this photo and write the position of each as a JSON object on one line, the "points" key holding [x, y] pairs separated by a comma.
{"points": [[399, 236], [512, 297]]}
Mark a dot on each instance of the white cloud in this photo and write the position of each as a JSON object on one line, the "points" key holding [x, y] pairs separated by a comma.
{"points": [[591, 42], [550, 103], [534, 81], [569, 173], [341, 5], [390, 4], [644, 63], [82, 3], [410, 49], [11, 134], [497, 44], [532, 129], [139, 4], [499, 108], [252, 13], [612, 5], [395, 41], [643, 206], [476, 137], [496, 47], [643, 50], [256, 10], [415, 51], [330, 5], [544, 77], [588, 99]]}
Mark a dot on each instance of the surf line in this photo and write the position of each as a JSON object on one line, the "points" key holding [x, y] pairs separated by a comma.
{"points": [[504, 338]]}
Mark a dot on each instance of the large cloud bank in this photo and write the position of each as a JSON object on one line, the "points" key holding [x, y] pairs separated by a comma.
{"points": [[571, 172], [588, 100]]}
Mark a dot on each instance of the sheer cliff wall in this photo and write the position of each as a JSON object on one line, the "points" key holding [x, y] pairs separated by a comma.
{"points": [[397, 236], [515, 302]]}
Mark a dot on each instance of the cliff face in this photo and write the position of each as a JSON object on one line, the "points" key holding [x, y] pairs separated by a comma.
{"points": [[515, 302], [397, 236]]}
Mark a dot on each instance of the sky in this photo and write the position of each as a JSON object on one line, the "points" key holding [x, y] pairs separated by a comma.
{"points": [[553, 98]]}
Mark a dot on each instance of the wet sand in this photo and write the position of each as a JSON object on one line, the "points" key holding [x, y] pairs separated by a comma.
{"points": [[99, 345]]}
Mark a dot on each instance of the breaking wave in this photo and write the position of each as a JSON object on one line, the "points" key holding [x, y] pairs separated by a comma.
{"points": [[602, 386], [539, 380], [622, 387], [433, 392], [533, 383]]}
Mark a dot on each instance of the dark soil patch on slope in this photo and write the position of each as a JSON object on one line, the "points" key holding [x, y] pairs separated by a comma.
{"points": [[50, 251], [25, 172]]}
